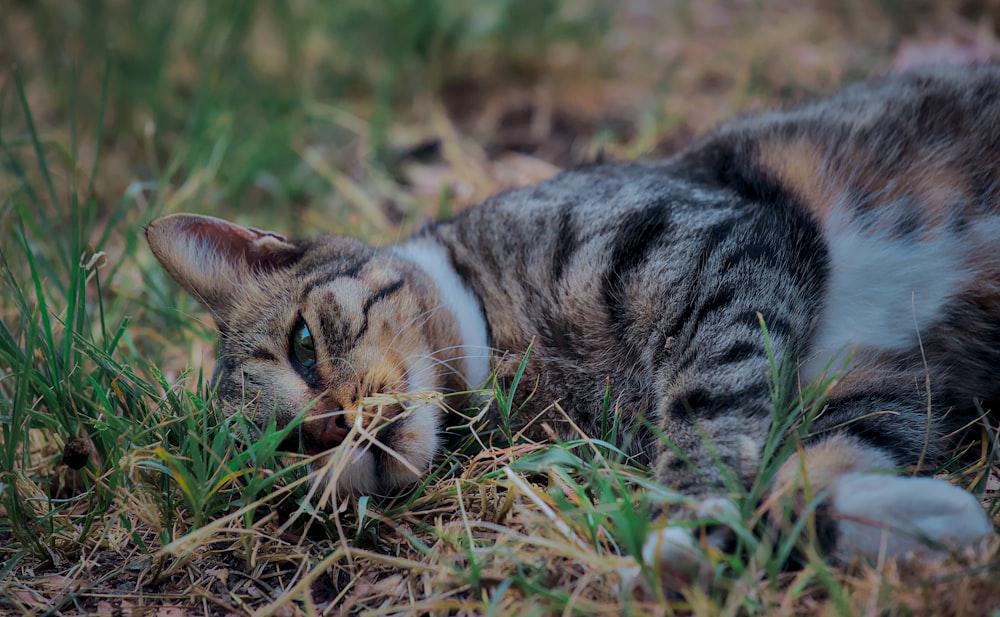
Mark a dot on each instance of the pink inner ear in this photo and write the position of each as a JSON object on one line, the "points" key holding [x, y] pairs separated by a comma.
{"points": [[259, 249]]}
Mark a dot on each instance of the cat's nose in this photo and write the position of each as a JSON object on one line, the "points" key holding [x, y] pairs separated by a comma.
{"points": [[326, 432]]}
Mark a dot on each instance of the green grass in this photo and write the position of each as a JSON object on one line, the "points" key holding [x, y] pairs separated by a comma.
{"points": [[305, 117]]}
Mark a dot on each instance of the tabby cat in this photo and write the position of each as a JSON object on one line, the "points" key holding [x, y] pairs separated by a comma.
{"points": [[863, 232]]}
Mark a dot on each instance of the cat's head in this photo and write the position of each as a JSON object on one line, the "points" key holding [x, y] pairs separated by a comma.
{"points": [[326, 326]]}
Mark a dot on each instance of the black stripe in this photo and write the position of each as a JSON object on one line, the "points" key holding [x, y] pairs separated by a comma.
{"points": [[341, 266], [874, 433], [776, 326], [689, 482], [328, 275], [637, 236], [380, 295], [713, 237], [739, 352], [733, 170], [908, 223], [703, 403], [794, 252], [754, 251], [678, 463], [259, 353], [324, 273], [376, 297], [720, 300], [353, 270], [734, 354], [566, 242], [333, 327], [554, 331]]}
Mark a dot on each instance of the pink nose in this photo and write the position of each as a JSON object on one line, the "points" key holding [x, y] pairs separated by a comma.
{"points": [[324, 433], [333, 433]]}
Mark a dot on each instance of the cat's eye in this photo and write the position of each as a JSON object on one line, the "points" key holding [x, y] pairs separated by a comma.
{"points": [[303, 350]]}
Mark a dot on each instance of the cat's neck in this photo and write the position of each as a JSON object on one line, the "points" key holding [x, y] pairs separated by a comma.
{"points": [[432, 258]]}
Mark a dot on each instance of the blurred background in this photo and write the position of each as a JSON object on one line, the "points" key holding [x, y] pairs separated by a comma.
{"points": [[360, 116]]}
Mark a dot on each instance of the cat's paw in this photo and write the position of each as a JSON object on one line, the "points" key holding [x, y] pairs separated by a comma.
{"points": [[679, 555], [882, 516]]}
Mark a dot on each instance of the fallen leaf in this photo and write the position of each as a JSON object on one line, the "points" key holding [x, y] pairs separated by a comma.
{"points": [[220, 573]]}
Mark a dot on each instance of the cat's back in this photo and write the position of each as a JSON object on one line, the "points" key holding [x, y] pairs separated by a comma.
{"points": [[886, 194], [906, 151]]}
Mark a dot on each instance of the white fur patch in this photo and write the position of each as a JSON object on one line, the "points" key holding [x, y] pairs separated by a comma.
{"points": [[352, 467], [422, 420], [884, 290], [432, 258]]}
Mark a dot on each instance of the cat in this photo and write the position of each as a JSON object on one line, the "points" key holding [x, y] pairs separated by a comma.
{"points": [[862, 232]]}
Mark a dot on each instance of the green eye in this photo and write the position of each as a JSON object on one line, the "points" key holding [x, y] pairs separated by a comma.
{"points": [[303, 350]]}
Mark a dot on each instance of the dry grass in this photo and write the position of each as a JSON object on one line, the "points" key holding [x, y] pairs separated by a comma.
{"points": [[295, 129]]}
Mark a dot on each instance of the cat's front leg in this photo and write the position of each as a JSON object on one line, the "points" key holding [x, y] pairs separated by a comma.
{"points": [[842, 477], [853, 506], [710, 448], [714, 384]]}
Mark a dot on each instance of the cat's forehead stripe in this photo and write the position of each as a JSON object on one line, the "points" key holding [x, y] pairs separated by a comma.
{"points": [[373, 299], [320, 274]]}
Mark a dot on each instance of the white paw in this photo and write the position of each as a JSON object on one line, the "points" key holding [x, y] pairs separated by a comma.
{"points": [[676, 557], [718, 510], [676, 554], [892, 515]]}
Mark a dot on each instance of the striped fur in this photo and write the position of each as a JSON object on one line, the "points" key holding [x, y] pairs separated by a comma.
{"points": [[864, 230]]}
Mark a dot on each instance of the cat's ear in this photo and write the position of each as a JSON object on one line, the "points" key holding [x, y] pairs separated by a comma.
{"points": [[212, 258]]}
